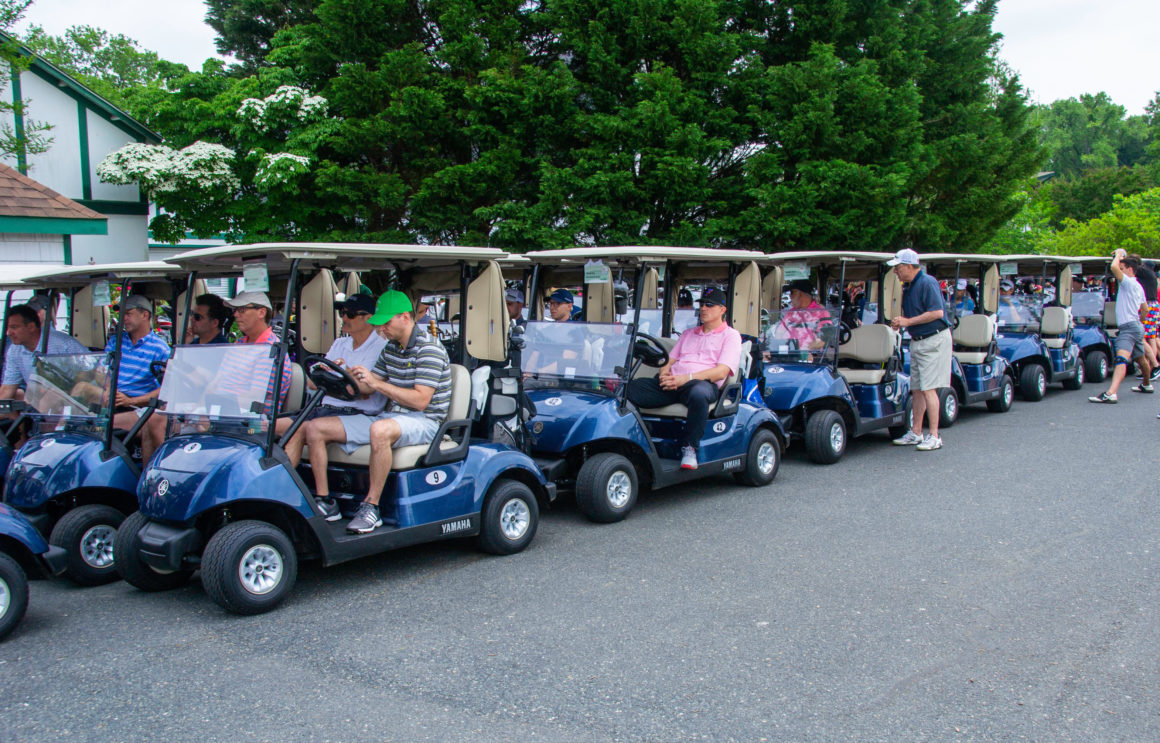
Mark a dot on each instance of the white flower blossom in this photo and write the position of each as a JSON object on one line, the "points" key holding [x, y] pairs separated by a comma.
{"points": [[160, 169], [279, 168], [287, 100]]}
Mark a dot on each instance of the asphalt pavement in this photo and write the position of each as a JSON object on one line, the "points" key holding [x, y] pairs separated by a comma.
{"points": [[1003, 588]]}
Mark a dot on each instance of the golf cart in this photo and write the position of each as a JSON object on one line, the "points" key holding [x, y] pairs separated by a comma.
{"points": [[584, 433], [75, 478], [220, 494], [826, 378], [1036, 337], [23, 552], [15, 292], [979, 373], [1094, 314]]}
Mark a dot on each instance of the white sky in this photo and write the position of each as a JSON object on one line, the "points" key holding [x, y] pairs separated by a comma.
{"points": [[1061, 48]]}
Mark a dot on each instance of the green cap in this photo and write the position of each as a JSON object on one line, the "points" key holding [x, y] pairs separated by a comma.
{"points": [[390, 304]]}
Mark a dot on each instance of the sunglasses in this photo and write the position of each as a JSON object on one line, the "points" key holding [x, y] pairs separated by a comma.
{"points": [[352, 314], [248, 307]]}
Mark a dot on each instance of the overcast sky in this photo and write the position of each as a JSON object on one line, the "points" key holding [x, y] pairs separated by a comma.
{"points": [[1061, 48]]}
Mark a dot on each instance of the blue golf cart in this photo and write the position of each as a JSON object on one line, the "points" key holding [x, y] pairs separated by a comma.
{"points": [[1094, 314], [75, 478], [827, 375], [1036, 336], [585, 434], [220, 494], [23, 552]]}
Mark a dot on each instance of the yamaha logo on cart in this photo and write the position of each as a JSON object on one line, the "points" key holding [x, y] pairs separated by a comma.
{"points": [[192, 448], [455, 526], [733, 464], [553, 402], [775, 369], [719, 427], [162, 488]]}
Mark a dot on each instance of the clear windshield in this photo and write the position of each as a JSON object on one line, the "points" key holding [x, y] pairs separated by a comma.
{"points": [[70, 386], [224, 383], [1087, 305], [574, 350], [801, 334], [1019, 312]]}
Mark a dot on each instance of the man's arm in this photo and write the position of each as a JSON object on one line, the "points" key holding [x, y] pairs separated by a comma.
{"points": [[415, 398], [1117, 271]]}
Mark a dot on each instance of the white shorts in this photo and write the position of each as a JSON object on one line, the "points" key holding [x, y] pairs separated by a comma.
{"points": [[930, 362], [416, 429]]}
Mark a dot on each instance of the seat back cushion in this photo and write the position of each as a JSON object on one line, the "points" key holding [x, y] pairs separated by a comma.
{"points": [[1110, 315], [296, 395], [871, 344], [460, 393], [1055, 321], [974, 331]]}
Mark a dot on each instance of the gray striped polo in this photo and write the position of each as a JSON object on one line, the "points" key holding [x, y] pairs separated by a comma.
{"points": [[423, 361]]}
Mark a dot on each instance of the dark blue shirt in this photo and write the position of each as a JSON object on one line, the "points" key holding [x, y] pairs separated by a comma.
{"points": [[923, 295]]}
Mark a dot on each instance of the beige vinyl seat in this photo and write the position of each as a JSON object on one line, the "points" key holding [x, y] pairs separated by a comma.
{"points": [[408, 457], [677, 410], [296, 396], [1111, 324], [974, 332], [1054, 326], [872, 346]]}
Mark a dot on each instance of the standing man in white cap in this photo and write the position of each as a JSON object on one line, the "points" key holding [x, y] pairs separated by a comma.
{"points": [[924, 317]]}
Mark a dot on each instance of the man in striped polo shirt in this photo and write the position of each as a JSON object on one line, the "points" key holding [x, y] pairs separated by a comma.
{"points": [[414, 374], [140, 347]]}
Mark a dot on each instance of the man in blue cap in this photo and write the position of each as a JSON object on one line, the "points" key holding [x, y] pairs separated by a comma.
{"points": [[560, 305]]}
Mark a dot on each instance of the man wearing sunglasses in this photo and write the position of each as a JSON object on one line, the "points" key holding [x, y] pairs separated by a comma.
{"points": [[333, 420], [209, 321]]}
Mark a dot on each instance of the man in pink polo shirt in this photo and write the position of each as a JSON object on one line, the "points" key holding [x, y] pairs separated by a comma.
{"points": [[700, 362]]}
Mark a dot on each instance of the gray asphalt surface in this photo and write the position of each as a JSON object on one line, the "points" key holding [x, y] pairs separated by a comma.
{"points": [[1002, 589]]}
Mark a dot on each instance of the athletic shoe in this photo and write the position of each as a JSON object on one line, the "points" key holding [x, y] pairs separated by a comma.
{"points": [[1155, 373], [1104, 397], [366, 520], [929, 443], [910, 438], [329, 508], [688, 458], [1144, 388]]}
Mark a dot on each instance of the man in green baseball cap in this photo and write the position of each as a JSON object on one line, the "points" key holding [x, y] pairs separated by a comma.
{"points": [[414, 374]]}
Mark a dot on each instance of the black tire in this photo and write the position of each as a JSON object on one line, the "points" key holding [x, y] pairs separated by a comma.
{"points": [[1002, 403], [763, 458], [88, 535], [130, 566], [826, 436], [509, 518], [266, 549], [1076, 382], [13, 594], [902, 428], [1095, 365], [948, 407], [1033, 382], [606, 488]]}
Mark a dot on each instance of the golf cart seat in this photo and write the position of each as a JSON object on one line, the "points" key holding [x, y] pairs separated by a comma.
{"points": [[296, 395], [1054, 326], [871, 348], [1111, 325], [409, 457], [727, 398], [972, 338]]}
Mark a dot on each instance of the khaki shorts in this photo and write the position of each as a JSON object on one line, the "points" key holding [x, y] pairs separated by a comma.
{"points": [[930, 362]]}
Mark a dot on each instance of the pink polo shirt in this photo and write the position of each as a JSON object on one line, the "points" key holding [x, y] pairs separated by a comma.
{"points": [[697, 351]]}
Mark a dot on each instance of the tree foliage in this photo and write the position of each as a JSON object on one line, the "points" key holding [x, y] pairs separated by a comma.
{"points": [[1133, 224], [1091, 133], [246, 28], [28, 136]]}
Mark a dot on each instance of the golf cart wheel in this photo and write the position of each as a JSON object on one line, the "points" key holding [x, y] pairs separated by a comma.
{"points": [[1002, 403], [1076, 382], [902, 428], [606, 488], [948, 410], [87, 534], [130, 566], [763, 459], [13, 594], [1033, 383], [1095, 365], [249, 567], [826, 436], [509, 519]]}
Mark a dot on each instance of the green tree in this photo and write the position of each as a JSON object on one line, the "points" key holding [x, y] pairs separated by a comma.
{"points": [[1093, 193], [26, 136], [246, 28], [1132, 224], [1091, 132]]}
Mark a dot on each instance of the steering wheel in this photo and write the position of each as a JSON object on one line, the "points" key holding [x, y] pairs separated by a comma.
{"points": [[650, 351], [845, 332], [157, 368], [332, 378]]}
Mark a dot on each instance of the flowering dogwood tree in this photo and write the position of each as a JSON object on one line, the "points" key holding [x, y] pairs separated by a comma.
{"points": [[207, 187]]}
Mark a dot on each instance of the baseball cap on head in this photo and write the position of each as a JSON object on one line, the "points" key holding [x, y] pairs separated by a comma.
{"points": [[135, 302], [1006, 285], [390, 305], [247, 298], [713, 297], [358, 303], [38, 302], [803, 285], [513, 295], [562, 295], [904, 257]]}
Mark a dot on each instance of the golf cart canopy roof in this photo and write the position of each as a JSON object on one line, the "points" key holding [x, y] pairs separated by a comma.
{"points": [[345, 256], [70, 276], [12, 275], [636, 254]]}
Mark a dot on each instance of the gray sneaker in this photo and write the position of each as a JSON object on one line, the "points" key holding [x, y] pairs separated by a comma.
{"points": [[365, 520], [688, 458], [329, 508], [910, 438]]}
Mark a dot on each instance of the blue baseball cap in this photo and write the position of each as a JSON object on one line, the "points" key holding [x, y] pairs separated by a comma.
{"points": [[562, 295]]}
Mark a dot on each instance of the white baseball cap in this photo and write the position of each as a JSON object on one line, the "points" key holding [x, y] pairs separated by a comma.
{"points": [[905, 257], [961, 284]]}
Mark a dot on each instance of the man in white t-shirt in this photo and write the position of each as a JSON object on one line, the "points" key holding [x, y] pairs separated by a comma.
{"points": [[1130, 339], [358, 346]]}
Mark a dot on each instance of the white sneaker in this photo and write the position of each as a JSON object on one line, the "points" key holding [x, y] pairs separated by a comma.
{"points": [[688, 458], [910, 438], [930, 443]]}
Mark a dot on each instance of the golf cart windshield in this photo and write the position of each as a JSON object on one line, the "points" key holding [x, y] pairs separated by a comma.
{"points": [[226, 387], [556, 353], [1087, 305], [1020, 312], [805, 334], [71, 388]]}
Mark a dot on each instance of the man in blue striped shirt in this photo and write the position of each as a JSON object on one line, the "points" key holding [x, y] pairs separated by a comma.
{"points": [[140, 347]]}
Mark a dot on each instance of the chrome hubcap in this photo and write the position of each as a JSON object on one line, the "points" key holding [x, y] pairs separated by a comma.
{"points": [[1042, 383], [261, 569], [1103, 367], [767, 457], [619, 489], [514, 519], [5, 597], [951, 408], [97, 546], [1008, 393], [837, 438]]}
